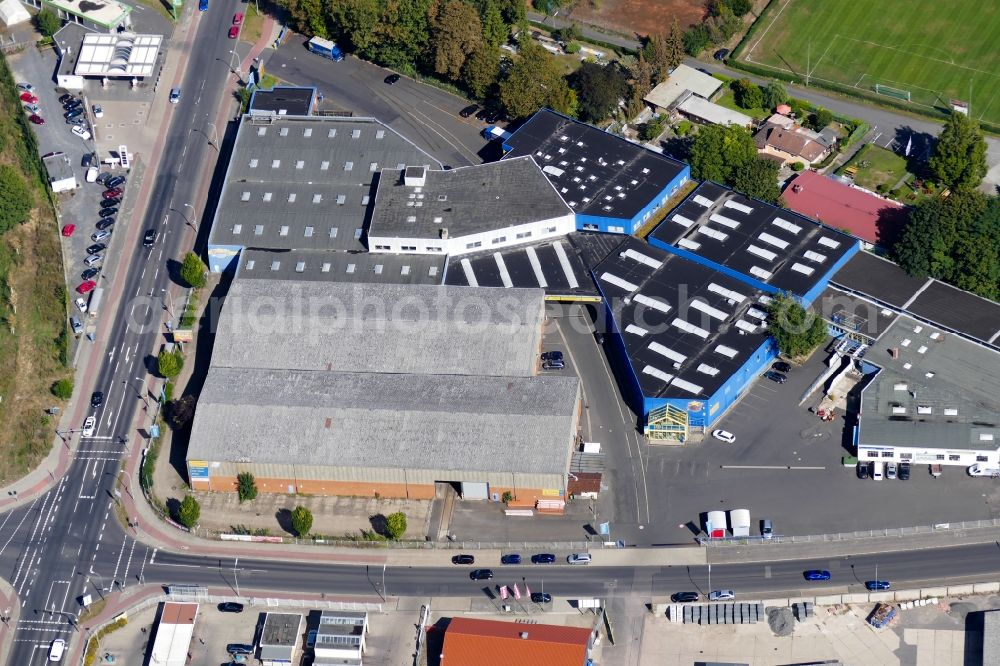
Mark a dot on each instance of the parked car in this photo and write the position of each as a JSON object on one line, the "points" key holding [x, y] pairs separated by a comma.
{"points": [[781, 366], [56, 649], [88, 160], [721, 595], [234, 32], [463, 559], [93, 260], [36, 119], [88, 426], [890, 471], [149, 238], [579, 558], [392, 79], [32, 108], [115, 181], [469, 110], [721, 54], [77, 325], [108, 203], [72, 104], [100, 235], [112, 193], [65, 97], [90, 273], [82, 133], [175, 94], [543, 558], [724, 436], [96, 247], [878, 470], [904, 471], [510, 558], [981, 469], [541, 597], [98, 111], [76, 120], [481, 574], [872, 585], [68, 230], [96, 398], [69, 115], [239, 648], [25, 87], [776, 376], [105, 223], [81, 305], [28, 98], [230, 607], [553, 365], [238, 18], [107, 212], [817, 574], [863, 469], [103, 178], [86, 287], [552, 356], [767, 529], [684, 597]]}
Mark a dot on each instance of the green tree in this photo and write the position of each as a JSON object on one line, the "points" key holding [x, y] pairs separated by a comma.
{"points": [[395, 525], [48, 22], [747, 94], [758, 179], [15, 198], [598, 89], [495, 31], [246, 487], [820, 118], [696, 39], [193, 270], [740, 7], [481, 70], [675, 44], [774, 94], [455, 32], [723, 24], [659, 57], [719, 151], [169, 363], [797, 331], [959, 159], [180, 412], [62, 389], [302, 521], [535, 80], [651, 129], [188, 512], [570, 33]]}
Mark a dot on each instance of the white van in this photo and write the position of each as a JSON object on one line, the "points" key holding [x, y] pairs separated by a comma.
{"points": [[878, 470], [57, 649], [92, 174], [982, 469]]}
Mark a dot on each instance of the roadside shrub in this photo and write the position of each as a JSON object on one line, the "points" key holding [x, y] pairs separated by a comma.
{"points": [[189, 512], [798, 166], [395, 525], [246, 486], [63, 389], [572, 47], [193, 270], [302, 520], [169, 364]]}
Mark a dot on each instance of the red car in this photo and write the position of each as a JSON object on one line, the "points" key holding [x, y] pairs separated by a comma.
{"points": [[238, 19], [28, 98], [68, 230], [86, 287], [111, 194], [234, 32], [37, 119]]}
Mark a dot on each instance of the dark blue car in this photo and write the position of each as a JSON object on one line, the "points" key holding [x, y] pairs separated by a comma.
{"points": [[817, 574], [512, 558], [873, 585], [543, 558], [203, 5]]}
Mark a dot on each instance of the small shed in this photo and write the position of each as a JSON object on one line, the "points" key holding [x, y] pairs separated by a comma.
{"points": [[13, 12], [279, 639]]}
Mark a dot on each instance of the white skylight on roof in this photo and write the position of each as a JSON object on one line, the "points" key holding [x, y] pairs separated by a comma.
{"points": [[713, 233], [802, 268], [245, 196], [326, 267], [829, 242], [642, 258], [654, 303], [905, 342], [689, 244], [553, 170], [786, 225], [723, 220], [922, 349], [935, 335], [655, 372], [898, 409], [681, 220], [729, 203], [706, 369], [636, 330], [985, 437], [757, 271], [674, 356], [728, 352], [950, 411], [611, 278], [924, 409], [773, 240], [702, 306], [300, 267], [685, 385], [756, 314], [688, 327], [702, 201], [744, 325], [762, 253], [814, 256], [727, 293]]}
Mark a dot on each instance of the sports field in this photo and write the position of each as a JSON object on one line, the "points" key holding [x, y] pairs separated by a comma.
{"points": [[934, 50]]}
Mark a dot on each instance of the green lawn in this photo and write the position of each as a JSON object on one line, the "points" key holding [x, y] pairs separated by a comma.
{"points": [[874, 166], [936, 50], [727, 100]]}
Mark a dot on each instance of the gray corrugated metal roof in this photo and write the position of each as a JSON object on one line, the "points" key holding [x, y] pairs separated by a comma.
{"points": [[310, 157], [420, 329], [991, 638], [503, 424], [468, 200], [339, 266]]}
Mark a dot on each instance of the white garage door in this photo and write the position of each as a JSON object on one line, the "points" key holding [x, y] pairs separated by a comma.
{"points": [[474, 490]]}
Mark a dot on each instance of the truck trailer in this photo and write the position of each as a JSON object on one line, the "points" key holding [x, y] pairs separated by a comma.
{"points": [[739, 520], [325, 48]]}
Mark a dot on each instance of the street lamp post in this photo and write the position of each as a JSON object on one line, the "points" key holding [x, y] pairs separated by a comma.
{"points": [[213, 140], [236, 578], [194, 216]]}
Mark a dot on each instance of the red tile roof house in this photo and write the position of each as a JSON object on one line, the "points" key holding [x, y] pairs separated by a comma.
{"points": [[871, 218], [476, 642]]}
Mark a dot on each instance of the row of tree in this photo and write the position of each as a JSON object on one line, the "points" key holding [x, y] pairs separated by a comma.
{"points": [[723, 19]]}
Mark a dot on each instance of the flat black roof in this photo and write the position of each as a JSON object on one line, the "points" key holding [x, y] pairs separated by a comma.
{"points": [[597, 173], [687, 328], [878, 278], [959, 310], [417, 202], [334, 266], [284, 101], [555, 266], [773, 245]]}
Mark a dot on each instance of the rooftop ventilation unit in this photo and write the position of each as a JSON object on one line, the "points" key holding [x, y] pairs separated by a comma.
{"points": [[415, 176]]}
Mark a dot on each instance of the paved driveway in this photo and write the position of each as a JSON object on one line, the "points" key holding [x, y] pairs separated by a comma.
{"points": [[425, 115]]}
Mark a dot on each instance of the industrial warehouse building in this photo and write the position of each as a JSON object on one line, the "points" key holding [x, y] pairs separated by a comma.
{"points": [[612, 184], [367, 389]]}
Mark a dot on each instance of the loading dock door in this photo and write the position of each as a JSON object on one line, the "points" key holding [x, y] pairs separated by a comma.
{"points": [[475, 490]]}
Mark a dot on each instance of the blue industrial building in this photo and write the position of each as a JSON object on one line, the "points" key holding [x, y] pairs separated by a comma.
{"points": [[613, 185]]}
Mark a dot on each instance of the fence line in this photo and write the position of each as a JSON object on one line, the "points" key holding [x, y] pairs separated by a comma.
{"points": [[405, 545], [889, 532]]}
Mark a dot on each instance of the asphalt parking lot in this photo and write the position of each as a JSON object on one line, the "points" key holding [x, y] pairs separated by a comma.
{"points": [[427, 116]]}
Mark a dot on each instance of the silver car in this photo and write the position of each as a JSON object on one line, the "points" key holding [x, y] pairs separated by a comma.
{"points": [[721, 595], [93, 260], [100, 235]]}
